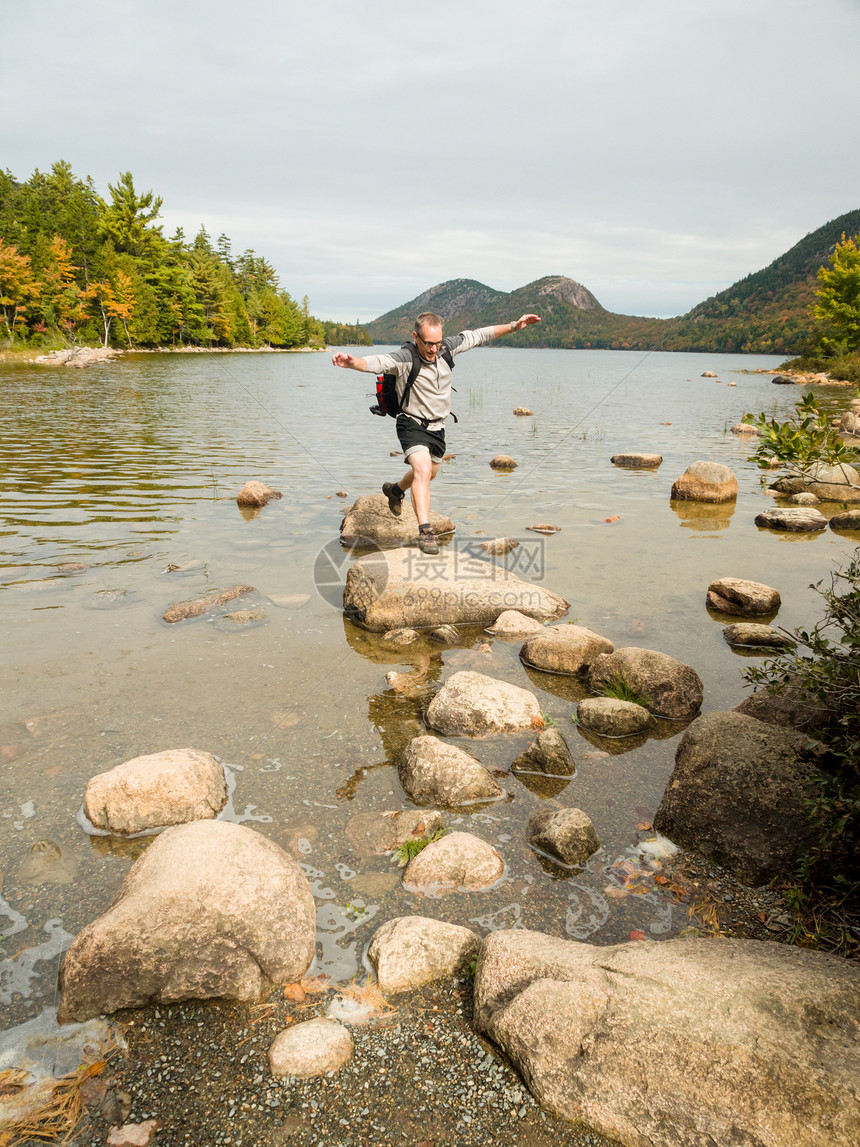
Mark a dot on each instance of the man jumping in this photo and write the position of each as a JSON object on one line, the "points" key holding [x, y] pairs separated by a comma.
{"points": [[421, 423]]}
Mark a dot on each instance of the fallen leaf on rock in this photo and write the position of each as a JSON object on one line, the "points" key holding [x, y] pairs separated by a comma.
{"points": [[295, 992], [638, 936], [616, 893], [645, 826], [661, 879]]}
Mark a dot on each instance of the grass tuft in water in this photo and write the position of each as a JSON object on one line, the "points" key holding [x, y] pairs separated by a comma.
{"points": [[621, 691], [410, 848]]}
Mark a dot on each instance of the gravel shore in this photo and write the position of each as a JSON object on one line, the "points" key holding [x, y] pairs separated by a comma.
{"points": [[419, 1076]]}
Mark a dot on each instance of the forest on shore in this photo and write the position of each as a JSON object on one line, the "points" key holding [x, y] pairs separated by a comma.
{"points": [[78, 269]]}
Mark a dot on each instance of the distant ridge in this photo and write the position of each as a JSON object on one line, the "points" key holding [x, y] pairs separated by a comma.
{"points": [[766, 312]]}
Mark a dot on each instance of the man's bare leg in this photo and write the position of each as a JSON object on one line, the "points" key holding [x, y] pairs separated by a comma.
{"points": [[422, 471]]}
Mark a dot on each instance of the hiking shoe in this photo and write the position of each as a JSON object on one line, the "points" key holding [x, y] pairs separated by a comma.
{"points": [[395, 497], [427, 543]]}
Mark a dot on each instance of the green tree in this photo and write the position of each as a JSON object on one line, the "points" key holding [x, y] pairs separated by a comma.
{"points": [[838, 306], [127, 220]]}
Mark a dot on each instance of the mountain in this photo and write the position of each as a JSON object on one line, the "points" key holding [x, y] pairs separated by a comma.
{"points": [[767, 312]]}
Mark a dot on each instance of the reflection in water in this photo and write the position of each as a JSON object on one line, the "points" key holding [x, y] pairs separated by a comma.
{"points": [[705, 517]]}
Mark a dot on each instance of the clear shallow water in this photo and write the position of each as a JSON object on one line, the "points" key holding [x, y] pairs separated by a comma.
{"points": [[126, 468]]}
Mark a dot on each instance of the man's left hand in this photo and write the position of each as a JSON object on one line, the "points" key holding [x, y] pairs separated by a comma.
{"points": [[526, 321]]}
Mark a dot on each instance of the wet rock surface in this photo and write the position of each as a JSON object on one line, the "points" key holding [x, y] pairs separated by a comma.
{"points": [[725, 1020], [411, 951], [847, 520], [374, 833], [160, 789]]}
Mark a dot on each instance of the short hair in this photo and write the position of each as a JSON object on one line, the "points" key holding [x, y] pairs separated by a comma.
{"points": [[427, 319]]}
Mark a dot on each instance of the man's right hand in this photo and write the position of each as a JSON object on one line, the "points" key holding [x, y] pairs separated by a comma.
{"points": [[345, 360]]}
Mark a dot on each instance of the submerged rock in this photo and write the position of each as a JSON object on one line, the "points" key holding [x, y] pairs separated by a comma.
{"points": [[848, 520], [160, 789], [503, 462], [210, 909], [405, 588], [410, 951], [747, 598], [470, 704], [737, 794], [682, 1043], [522, 411], [181, 610], [498, 546], [373, 833], [435, 773]]}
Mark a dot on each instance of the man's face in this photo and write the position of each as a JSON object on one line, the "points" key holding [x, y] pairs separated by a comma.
{"points": [[429, 342]]}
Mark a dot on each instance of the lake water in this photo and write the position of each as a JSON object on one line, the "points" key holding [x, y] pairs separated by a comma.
{"points": [[114, 473]]}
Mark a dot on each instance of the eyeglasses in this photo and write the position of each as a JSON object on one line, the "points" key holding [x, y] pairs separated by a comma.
{"points": [[432, 346]]}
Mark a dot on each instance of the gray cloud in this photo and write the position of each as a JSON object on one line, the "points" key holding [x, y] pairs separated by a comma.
{"points": [[654, 151]]}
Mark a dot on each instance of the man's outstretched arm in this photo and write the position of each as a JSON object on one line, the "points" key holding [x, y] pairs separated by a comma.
{"points": [[517, 325], [348, 361]]}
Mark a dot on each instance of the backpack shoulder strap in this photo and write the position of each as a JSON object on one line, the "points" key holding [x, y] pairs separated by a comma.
{"points": [[413, 372]]}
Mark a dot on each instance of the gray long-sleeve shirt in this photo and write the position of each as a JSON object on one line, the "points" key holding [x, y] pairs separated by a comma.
{"points": [[430, 396]]}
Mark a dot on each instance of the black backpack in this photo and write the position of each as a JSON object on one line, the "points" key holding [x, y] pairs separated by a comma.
{"points": [[387, 401]]}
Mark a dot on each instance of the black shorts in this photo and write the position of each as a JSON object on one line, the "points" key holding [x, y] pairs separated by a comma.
{"points": [[412, 436]]}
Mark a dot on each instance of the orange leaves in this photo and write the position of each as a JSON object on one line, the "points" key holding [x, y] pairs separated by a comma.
{"points": [[637, 935]]}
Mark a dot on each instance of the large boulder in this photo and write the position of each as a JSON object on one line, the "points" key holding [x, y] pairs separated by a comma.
{"points": [[668, 687], [847, 520], [564, 834], [434, 773], [737, 794], [459, 862], [738, 596], [564, 648], [157, 790], [406, 588], [472, 704], [210, 909], [413, 950], [685, 1043], [829, 483], [794, 519], [706, 482], [369, 521]]}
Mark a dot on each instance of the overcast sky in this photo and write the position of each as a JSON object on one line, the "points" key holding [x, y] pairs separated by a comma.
{"points": [[656, 152]]}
